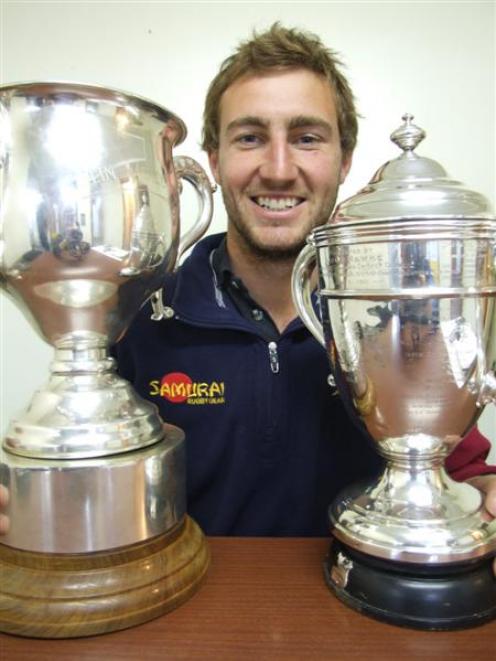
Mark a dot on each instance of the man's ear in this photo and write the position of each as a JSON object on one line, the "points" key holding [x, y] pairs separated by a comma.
{"points": [[345, 167], [213, 159]]}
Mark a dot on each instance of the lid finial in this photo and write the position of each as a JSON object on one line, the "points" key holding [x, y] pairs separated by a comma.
{"points": [[408, 135]]}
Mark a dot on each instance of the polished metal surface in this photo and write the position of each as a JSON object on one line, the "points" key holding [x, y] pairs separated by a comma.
{"points": [[87, 505], [89, 214], [414, 515], [83, 410], [411, 186], [408, 315], [89, 227]]}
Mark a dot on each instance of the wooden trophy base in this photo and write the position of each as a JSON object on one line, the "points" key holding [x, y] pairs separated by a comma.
{"points": [[47, 595]]}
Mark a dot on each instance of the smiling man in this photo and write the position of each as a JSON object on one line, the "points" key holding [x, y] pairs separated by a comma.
{"points": [[269, 444], [278, 165]]}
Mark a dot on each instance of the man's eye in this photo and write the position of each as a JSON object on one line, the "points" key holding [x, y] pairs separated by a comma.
{"points": [[308, 139], [248, 139]]}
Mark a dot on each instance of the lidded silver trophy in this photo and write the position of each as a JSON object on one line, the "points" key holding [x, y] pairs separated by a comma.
{"points": [[89, 228], [407, 284]]}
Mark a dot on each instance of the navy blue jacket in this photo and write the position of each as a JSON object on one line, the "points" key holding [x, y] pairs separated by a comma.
{"points": [[266, 450], [269, 444]]}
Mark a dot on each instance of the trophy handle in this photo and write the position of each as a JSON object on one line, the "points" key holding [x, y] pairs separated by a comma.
{"points": [[488, 392], [189, 169], [301, 284]]}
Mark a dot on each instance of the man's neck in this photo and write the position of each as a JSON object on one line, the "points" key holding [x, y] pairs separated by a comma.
{"points": [[267, 280]]}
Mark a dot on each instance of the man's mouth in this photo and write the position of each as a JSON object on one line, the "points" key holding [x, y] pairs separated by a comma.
{"points": [[277, 203]]}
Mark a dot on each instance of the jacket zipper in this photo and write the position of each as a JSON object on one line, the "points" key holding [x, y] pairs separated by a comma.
{"points": [[273, 357]]}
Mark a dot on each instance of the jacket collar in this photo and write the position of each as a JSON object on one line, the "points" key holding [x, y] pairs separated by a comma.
{"points": [[199, 298], [198, 295]]}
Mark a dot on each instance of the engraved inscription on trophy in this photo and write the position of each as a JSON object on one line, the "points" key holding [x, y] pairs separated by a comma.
{"points": [[101, 175]]}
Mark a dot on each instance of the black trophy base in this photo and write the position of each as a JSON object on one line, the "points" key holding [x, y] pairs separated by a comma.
{"points": [[437, 597]]}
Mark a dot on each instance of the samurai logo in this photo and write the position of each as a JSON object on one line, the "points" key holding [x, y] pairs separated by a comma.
{"points": [[179, 388]]}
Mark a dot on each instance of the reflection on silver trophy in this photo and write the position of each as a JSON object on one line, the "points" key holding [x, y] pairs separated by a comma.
{"points": [[89, 229], [407, 284]]}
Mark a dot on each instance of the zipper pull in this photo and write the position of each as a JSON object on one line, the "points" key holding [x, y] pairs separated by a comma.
{"points": [[273, 357]]}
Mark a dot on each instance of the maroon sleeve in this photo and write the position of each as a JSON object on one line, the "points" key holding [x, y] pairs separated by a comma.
{"points": [[468, 459]]}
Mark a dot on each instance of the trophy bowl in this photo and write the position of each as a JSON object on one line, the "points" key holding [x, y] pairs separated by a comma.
{"points": [[89, 230], [407, 285]]}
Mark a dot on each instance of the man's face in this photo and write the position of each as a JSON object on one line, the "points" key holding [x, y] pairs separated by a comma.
{"points": [[279, 160]]}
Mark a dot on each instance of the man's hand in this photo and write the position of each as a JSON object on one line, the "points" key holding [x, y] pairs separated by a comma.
{"points": [[487, 484], [4, 520]]}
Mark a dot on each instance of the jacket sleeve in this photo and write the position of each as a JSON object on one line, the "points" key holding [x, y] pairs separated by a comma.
{"points": [[468, 459]]}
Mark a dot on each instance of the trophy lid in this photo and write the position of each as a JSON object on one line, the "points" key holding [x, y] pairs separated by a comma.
{"points": [[411, 187]]}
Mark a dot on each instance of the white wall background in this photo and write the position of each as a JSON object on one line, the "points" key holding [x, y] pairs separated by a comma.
{"points": [[433, 59]]}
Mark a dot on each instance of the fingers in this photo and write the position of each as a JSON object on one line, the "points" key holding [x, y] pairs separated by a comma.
{"points": [[4, 499], [4, 495], [486, 484]]}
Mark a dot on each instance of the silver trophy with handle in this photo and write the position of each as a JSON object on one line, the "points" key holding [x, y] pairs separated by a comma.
{"points": [[89, 229], [407, 284]]}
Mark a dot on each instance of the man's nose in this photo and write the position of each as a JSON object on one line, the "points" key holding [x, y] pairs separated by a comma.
{"points": [[278, 165]]}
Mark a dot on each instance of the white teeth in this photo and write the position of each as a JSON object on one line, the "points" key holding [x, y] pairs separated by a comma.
{"points": [[277, 203]]}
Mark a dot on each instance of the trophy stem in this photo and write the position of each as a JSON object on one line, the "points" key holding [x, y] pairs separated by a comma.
{"points": [[82, 353], [414, 512], [85, 409]]}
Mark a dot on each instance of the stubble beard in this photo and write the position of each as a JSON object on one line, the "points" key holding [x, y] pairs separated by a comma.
{"points": [[274, 253]]}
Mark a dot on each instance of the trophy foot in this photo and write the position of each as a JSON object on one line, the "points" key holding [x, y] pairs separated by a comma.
{"points": [[436, 597], [46, 595]]}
